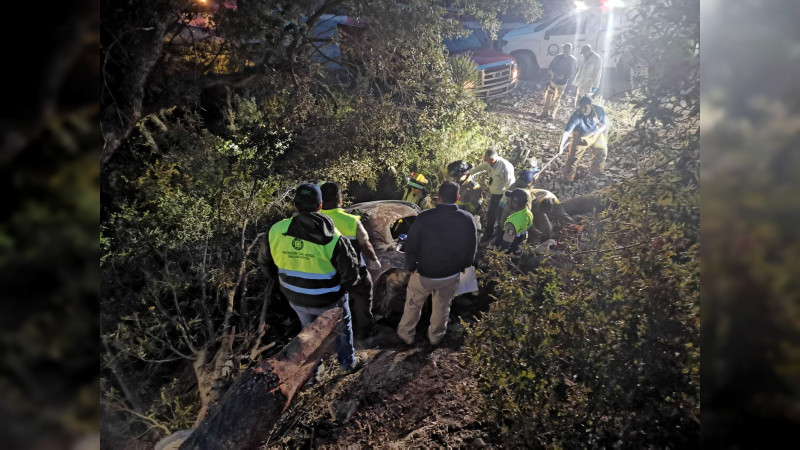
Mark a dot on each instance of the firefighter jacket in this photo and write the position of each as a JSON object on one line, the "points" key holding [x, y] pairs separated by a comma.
{"points": [[470, 192], [423, 200]]}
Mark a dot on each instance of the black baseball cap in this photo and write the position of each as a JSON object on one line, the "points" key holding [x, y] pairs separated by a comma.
{"points": [[307, 194], [520, 195]]}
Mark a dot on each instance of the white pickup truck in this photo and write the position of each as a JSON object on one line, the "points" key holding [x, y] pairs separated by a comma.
{"points": [[533, 46]]}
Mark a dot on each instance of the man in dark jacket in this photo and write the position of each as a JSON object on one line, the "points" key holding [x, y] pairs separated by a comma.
{"points": [[562, 70], [441, 243], [315, 266]]}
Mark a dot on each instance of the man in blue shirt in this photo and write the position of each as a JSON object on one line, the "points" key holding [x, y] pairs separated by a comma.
{"points": [[588, 126]]}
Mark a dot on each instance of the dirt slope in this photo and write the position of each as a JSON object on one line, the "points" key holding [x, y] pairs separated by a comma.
{"points": [[403, 397]]}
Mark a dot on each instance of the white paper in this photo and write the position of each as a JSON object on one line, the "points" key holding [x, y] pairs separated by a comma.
{"points": [[467, 281]]}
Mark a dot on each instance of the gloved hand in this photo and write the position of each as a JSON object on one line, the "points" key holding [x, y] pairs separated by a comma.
{"points": [[594, 89], [373, 264]]}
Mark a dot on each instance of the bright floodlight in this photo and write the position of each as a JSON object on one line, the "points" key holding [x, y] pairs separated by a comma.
{"points": [[616, 3], [580, 6]]}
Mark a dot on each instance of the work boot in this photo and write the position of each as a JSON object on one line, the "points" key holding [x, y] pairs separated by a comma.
{"points": [[543, 115], [357, 364], [312, 380], [597, 171]]}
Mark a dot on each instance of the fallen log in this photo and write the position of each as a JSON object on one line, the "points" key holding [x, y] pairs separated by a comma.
{"points": [[254, 403], [593, 202]]}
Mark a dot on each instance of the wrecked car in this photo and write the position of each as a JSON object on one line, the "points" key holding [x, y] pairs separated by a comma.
{"points": [[386, 222]]}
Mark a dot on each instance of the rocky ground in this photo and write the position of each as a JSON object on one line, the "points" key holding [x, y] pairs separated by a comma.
{"points": [[425, 396], [539, 138]]}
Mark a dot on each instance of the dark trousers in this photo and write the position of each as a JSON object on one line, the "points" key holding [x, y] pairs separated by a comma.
{"points": [[492, 214], [361, 304]]}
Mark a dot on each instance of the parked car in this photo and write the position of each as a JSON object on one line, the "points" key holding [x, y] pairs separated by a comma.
{"points": [[534, 45], [497, 71]]}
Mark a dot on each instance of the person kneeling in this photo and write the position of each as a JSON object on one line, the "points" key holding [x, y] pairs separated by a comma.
{"points": [[515, 228]]}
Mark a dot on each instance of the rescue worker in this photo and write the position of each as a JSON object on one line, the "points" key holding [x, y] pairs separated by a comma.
{"points": [[562, 70], [542, 205], [469, 190], [350, 226], [441, 244], [417, 191], [501, 176], [587, 126], [587, 81], [315, 267], [515, 227]]}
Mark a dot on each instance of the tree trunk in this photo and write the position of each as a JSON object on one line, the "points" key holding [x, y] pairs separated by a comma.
{"points": [[586, 204], [248, 411]]}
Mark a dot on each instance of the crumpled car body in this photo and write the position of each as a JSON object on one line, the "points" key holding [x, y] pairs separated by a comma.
{"points": [[391, 280]]}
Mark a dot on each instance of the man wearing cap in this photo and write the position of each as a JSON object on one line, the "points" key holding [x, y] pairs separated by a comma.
{"points": [[587, 81], [542, 204], [350, 226], [515, 227], [441, 244], [315, 267], [562, 71], [501, 176], [587, 126], [417, 191], [469, 190]]}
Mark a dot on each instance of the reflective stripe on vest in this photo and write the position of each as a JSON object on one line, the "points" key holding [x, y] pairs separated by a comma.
{"points": [[303, 267], [521, 220], [347, 224]]}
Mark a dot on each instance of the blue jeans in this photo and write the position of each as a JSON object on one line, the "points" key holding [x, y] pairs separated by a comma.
{"points": [[345, 353]]}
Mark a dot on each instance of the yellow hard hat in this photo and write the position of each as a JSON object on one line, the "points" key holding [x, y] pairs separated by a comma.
{"points": [[417, 180]]}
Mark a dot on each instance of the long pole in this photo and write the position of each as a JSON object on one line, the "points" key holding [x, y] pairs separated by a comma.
{"points": [[560, 151]]}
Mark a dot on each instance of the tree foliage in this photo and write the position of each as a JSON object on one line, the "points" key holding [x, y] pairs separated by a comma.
{"points": [[180, 52], [212, 127]]}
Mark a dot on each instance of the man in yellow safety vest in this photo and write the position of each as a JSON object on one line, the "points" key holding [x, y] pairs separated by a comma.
{"points": [[315, 267], [515, 227], [350, 226]]}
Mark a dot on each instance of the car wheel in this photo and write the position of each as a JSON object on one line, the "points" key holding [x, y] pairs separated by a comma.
{"points": [[526, 62]]}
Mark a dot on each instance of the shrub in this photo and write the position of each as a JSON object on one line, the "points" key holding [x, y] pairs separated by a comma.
{"points": [[605, 350]]}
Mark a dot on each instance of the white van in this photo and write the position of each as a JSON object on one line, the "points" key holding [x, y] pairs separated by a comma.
{"points": [[534, 46]]}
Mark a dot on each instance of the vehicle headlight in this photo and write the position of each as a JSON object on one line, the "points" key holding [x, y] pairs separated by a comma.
{"points": [[514, 72]]}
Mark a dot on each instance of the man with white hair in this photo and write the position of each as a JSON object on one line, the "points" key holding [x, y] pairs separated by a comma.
{"points": [[501, 176]]}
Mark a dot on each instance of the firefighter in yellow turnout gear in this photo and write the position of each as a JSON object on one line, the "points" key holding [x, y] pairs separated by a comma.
{"points": [[417, 191]]}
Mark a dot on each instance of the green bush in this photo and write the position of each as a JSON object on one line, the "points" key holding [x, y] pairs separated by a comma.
{"points": [[603, 351]]}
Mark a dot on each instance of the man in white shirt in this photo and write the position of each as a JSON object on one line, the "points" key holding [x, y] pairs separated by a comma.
{"points": [[587, 81], [501, 176]]}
